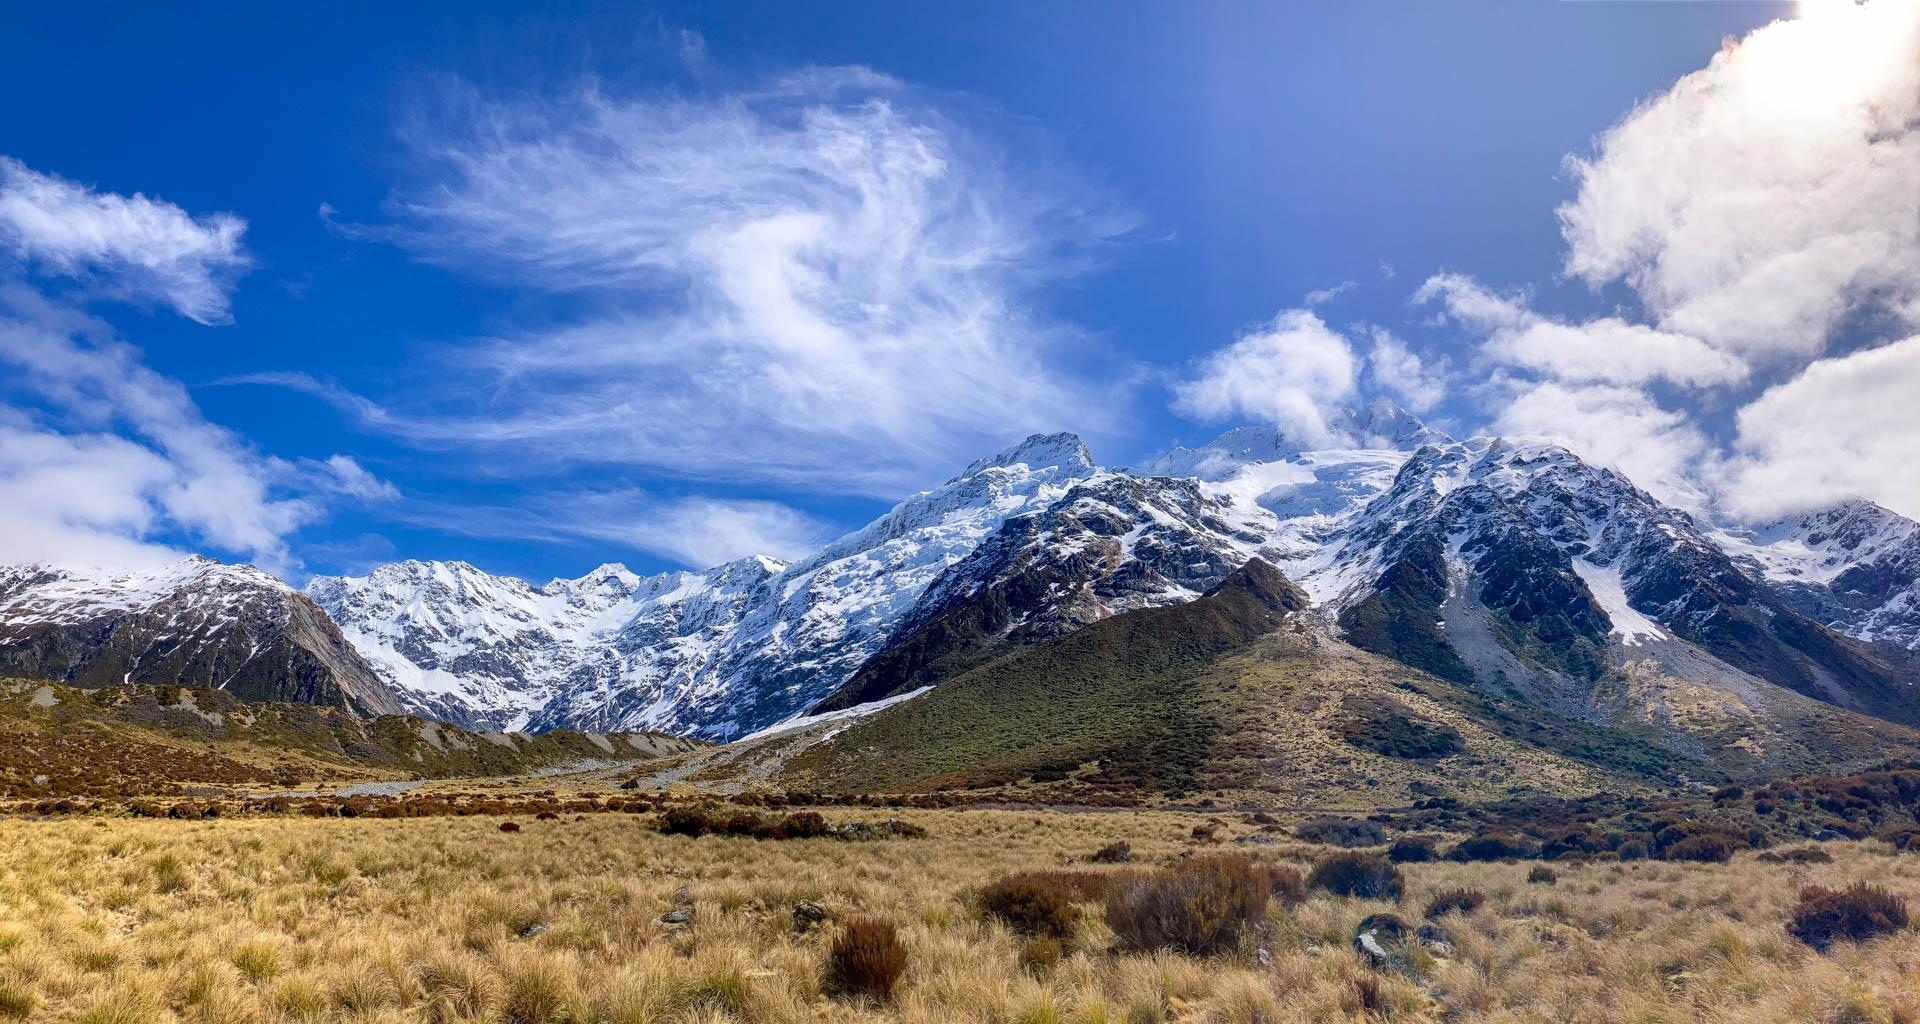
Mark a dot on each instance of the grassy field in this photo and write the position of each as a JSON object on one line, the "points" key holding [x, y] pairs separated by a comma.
{"points": [[112, 919]]}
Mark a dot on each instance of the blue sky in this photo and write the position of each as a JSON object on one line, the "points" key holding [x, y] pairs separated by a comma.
{"points": [[669, 285]]}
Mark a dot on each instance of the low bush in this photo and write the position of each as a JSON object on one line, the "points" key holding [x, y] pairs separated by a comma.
{"points": [[867, 958], [1411, 850], [1033, 903], [1703, 849], [1199, 906], [1287, 884], [1797, 855], [1491, 846], [1340, 832], [1856, 913], [1366, 875], [1447, 901]]}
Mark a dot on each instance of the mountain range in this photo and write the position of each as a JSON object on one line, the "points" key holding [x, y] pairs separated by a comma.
{"points": [[1511, 568]]}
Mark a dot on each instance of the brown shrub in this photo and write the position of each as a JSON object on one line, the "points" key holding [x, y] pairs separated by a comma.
{"points": [[867, 958], [1797, 855], [1856, 913], [1366, 875], [1034, 903], [1704, 849], [1465, 901], [1287, 884], [1411, 850], [1198, 906]]}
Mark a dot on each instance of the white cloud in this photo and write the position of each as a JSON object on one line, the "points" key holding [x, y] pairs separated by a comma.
{"points": [[344, 475], [696, 531], [1322, 296], [1607, 351], [1767, 197], [131, 246], [819, 282], [701, 532], [1843, 428], [1397, 370], [102, 459], [1291, 372], [1618, 427]]}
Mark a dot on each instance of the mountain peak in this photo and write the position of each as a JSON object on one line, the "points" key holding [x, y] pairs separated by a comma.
{"points": [[1384, 424], [1041, 451], [1264, 583]]}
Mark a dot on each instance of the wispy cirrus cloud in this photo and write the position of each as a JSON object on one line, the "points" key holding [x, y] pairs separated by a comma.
{"points": [[696, 531], [131, 246], [821, 281]]}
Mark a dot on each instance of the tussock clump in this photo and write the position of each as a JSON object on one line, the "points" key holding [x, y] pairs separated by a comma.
{"points": [[1411, 850], [1856, 913], [1199, 906], [1348, 832], [867, 958], [1041, 953], [1446, 901], [1365, 875]]}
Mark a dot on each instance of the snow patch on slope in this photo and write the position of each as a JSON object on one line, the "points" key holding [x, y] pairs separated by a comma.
{"points": [[1610, 591]]}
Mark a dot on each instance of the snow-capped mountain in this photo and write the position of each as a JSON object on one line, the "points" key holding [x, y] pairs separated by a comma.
{"points": [[1515, 566], [1522, 566], [717, 654], [1854, 566], [195, 622], [488, 652]]}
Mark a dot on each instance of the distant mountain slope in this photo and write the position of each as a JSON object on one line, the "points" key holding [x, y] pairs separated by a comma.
{"points": [[1854, 566], [1215, 694], [138, 740], [195, 622], [1244, 690], [1524, 568]]}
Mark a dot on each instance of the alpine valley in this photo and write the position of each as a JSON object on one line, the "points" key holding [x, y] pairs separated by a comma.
{"points": [[1472, 571]]}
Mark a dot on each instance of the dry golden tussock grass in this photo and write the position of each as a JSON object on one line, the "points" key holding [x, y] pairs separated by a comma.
{"points": [[449, 920]]}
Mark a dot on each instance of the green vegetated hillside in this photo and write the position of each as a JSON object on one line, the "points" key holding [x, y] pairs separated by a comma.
{"points": [[127, 740], [1243, 693]]}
